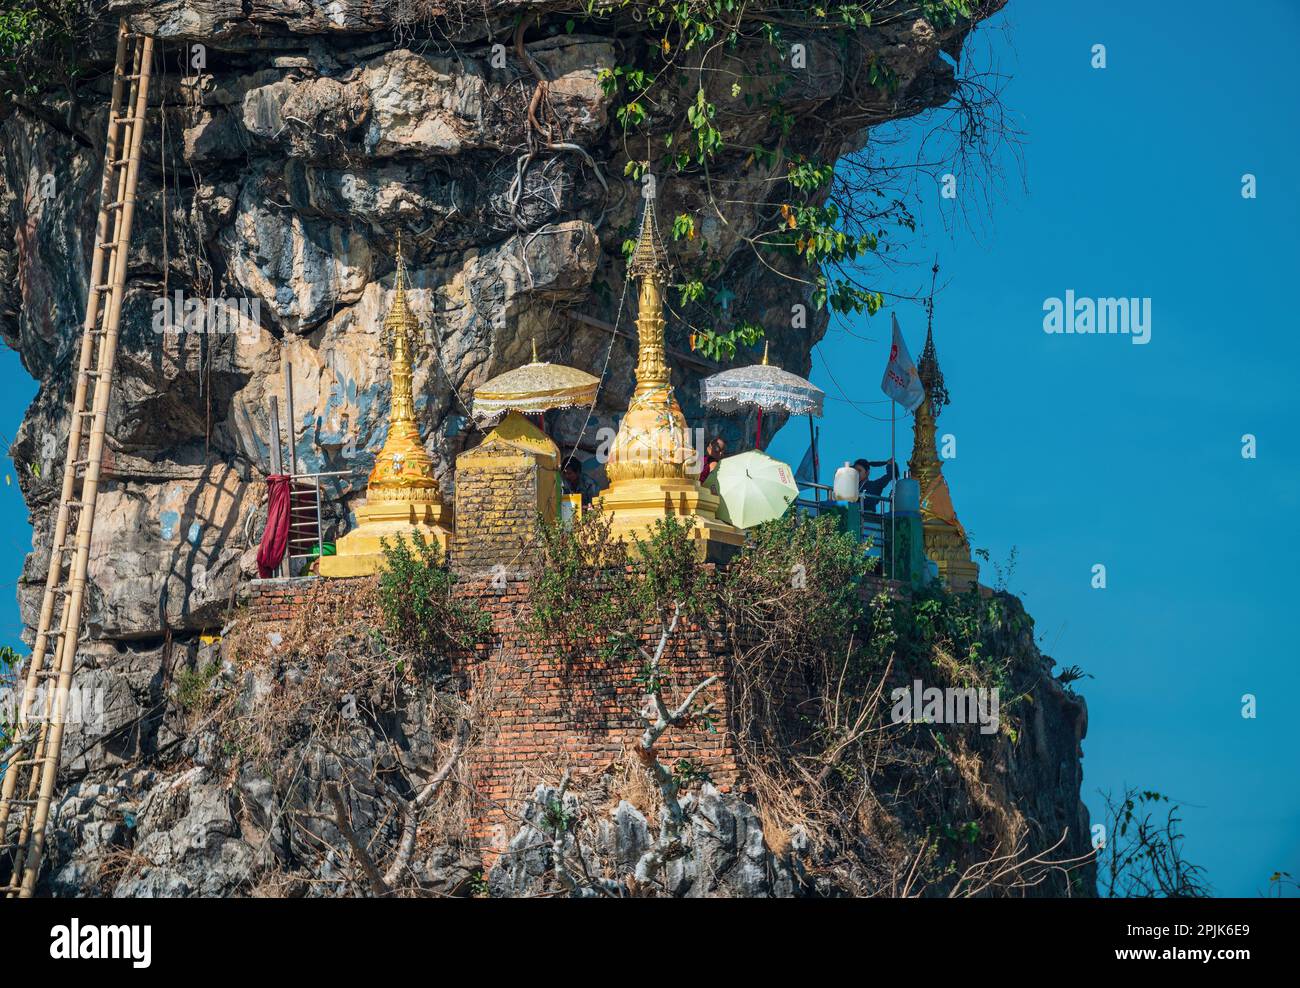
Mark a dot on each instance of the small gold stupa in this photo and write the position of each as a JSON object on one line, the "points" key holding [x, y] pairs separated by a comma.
{"points": [[653, 467], [402, 495], [945, 538]]}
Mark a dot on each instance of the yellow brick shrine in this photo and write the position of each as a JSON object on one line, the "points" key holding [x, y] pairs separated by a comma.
{"points": [[504, 487]]}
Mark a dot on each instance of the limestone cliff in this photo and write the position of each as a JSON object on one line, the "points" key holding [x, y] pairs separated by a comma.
{"points": [[280, 173], [292, 148]]}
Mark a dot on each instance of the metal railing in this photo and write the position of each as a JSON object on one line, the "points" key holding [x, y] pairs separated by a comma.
{"points": [[305, 528], [875, 514]]}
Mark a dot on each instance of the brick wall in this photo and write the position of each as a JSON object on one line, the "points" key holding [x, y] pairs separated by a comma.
{"points": [[279, 599], [543, 710], [549, 710]]}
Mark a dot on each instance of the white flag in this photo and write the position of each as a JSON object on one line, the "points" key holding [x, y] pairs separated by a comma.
{"points": [[901, 382]]}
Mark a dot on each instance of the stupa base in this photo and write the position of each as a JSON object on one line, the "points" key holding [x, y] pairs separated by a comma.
{"points": [[959, 575], [361, 551], [638, 505], [951, 554]]}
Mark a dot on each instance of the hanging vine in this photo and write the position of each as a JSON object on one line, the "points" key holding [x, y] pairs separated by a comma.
{"points": [[814, 230]]}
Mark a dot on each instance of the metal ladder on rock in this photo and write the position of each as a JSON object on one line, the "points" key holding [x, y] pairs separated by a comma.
{"points": [[31, 763]]}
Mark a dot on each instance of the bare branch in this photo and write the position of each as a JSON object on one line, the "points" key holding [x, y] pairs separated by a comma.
{"points": [[411, 810], [359, 853]]}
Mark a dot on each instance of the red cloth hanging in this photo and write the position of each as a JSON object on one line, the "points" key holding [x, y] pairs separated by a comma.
{"points": [[275, 539]]}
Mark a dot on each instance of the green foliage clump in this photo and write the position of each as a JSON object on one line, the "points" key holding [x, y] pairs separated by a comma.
{"points": [[943, 13], [670, 575], [421, 609], [580, 597], [591, 592], [796, 593], [796, 587], [9, 661], [980, 634], [44, 46], [717, 344], [192, 686], [797, 583]]}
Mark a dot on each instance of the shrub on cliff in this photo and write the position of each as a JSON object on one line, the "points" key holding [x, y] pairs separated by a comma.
{"points": [[580, 596], [418, 599], [797, 583], [9, 663], [591, 591]]}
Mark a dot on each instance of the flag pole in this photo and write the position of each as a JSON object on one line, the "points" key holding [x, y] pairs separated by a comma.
{"points": [[893, 486], [812, 444]]}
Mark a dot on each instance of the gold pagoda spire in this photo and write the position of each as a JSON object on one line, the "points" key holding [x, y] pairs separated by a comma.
{"points": [[652, 440], [403, 464], [399, 326], [945, 538], [650, 257], [652, 468], [649, 264], [402, 496], [925, 464]]}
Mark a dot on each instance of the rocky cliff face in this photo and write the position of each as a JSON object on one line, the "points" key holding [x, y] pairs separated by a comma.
{"points": [[291, 144], [289, 150]]}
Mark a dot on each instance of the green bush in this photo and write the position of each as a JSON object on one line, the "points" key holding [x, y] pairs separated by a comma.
{"points": [[421, 608], [981, 633], [799, 582], [591, 592], [48, 46], [9, 661], [192, 686], [671, 576]]}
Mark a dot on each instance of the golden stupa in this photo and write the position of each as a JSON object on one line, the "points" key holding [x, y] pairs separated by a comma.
{"points": [[653, 467], [402, 495], [945, 538]]}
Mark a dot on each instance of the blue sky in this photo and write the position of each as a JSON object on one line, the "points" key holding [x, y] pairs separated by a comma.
{"points": [[1089, 449], [16, 538], [1080, 450]]}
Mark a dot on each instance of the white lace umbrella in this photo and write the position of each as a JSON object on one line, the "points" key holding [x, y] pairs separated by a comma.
{"points": [[762, 386]]}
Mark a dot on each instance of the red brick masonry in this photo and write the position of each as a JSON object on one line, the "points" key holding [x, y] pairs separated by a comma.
{"points": [[547, 711]]}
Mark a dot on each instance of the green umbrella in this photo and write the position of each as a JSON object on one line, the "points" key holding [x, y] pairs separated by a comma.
{"points": [[753, 487]]}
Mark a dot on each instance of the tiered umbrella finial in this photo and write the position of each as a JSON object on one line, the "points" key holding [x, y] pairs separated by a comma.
{"points": [[535, 387]]}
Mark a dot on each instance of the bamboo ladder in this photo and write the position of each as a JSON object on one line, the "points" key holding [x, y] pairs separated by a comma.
{"points": [[31, 764]]}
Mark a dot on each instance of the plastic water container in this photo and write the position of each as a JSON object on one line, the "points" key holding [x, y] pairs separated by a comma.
{"points": [[846, 483], [907, 496]]}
